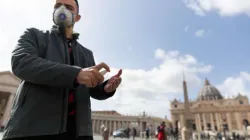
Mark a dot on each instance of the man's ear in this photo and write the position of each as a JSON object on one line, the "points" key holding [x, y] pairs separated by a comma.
{"points": [[78, 17]]}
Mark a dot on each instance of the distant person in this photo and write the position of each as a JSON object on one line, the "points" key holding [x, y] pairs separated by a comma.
{"points": [[102, 128], [128, 132], [238, 136], [147, 133], [58, 77], [219, 136], [161, 131], [134, 133], [234, 136], [171, 132]]}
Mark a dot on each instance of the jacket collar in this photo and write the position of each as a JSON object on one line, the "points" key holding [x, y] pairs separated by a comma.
{"points": [[60, 31]]}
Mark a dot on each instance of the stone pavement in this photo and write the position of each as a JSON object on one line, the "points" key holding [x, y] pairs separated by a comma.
{"points": [[111, 138], [137, 138], [97, 137]]}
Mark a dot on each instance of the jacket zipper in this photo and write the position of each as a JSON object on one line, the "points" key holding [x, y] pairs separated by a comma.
{"points": [[65, 91], [73, 50], [74, 44]]}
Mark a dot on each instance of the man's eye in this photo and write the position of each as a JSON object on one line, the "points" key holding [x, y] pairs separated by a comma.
{"points": [[57, 5], [69, 8]]}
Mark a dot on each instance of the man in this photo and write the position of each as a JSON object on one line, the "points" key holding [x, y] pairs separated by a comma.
{"points": [[58, 78], [128, 132], [134, 133], [147, 133]]}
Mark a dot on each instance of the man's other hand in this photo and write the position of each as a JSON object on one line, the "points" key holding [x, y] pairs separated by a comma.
{"points": [[91, 76], [113, 82]]}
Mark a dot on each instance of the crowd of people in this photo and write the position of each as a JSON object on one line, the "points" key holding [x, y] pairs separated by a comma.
{"points": [[161, 133], [164, 132]]}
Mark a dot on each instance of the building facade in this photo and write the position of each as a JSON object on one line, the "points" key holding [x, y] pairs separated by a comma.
{"points": [[111, 119], [114, 121], [212, 112]]}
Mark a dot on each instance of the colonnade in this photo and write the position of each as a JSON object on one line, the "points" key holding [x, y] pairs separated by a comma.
{"points": [[215, 121], [5, 109], [114, 125]]}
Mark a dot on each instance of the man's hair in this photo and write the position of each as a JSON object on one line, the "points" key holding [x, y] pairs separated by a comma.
{"points": [[77, 4]]}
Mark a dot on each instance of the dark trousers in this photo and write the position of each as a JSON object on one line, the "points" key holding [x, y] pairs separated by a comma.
{"points": [[69, 135]]}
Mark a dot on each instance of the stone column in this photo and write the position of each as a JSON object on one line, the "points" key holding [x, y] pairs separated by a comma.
{"points": [[121, 122], [106, 123], [221, 120], [115, 125], [196, 122], [204, 121], [102, 123], [118, 125], [93, 126], [212, 121], [199, 121], [218, 122], [7, 110], [238, 120], [182, 121], [141, 127], [229, 121], [97, 126], [110, 126]]}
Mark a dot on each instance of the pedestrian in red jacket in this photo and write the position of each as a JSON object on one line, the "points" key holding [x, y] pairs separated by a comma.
{"points": [[161, 131]]}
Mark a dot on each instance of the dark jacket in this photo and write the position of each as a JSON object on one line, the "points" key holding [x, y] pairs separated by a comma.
{"points": [[40, 106]]}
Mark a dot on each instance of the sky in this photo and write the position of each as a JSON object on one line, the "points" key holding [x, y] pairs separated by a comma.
{"points": [[154, 42]]}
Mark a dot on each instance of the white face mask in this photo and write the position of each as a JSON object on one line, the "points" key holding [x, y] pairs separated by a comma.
{"points": [[63, 17]]}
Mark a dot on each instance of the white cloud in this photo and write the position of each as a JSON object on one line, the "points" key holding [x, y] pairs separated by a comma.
{"points": [[223, 7], [236, 84], [150, 90], [200, 33]]}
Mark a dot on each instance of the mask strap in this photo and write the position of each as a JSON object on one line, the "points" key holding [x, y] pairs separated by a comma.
{"points": [[73, 18], [53, 16]]}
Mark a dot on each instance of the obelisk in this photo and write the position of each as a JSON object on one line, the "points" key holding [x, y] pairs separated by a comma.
{"points": [[186, 132]]}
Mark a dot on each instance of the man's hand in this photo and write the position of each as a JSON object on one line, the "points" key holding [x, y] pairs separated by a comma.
{"points": [[91, 76], [113, 82]]}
